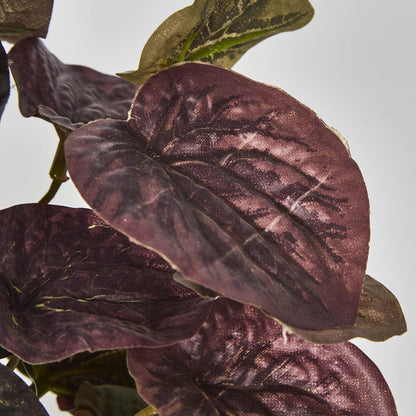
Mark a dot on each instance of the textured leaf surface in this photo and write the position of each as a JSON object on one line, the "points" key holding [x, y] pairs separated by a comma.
{"points": [[16, 398], [243, 189], [379, 317], [218, 32], [66, 95], [70, 283], [240, 363], [108, 400], [22, 18], [4, 80]]}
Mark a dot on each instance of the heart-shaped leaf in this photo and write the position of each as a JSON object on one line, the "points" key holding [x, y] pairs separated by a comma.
{"points": [[108, 400], [70, 283], [22, 18], [242, 188], [218, 32], [4, 80], [66, 95], [16, 398], [240, 363]]}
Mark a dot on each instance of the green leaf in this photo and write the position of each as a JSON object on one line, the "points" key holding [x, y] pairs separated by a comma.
{"points": [[22, 18], [65, 377], [108, 400], [218, 32], [379, 317]]}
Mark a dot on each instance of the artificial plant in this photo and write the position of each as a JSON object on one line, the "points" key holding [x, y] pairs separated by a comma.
{"points": [[221, 267]]}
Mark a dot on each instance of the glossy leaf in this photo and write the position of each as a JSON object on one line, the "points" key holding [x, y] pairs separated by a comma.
{"points": [[70, 283], [22, 18], [4, 80], [218, 32], [66, 376], [379, 317], [16, 398], [242, 188], [108, 400], [240, 363], [66, 95]]}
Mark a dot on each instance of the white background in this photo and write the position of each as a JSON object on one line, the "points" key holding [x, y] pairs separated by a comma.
{"points": [[354, 64]]}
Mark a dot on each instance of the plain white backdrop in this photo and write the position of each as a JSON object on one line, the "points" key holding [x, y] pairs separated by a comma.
{"points": [[354, 64]]}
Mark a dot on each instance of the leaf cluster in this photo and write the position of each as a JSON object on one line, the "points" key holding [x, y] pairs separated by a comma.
{"points": [[220, 269]]}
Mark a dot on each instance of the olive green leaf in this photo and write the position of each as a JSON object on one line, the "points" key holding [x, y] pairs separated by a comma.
{"points": [[66, 376], [379, 317], [218, 32], [108, 400], [22, 18]]}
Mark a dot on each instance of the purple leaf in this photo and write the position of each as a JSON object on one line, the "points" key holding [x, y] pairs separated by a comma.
{"points": [[66, 95], [4, 80], [240, 363], [16, 398], [70, 283], [242, 188]]}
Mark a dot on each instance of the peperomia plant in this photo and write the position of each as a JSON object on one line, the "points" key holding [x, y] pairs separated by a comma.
{"points": [[221, 267]]}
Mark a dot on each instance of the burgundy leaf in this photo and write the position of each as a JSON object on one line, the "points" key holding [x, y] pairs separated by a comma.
{"points": [[240, 363], [16, 398], [70, 283], [242, 188], [66, 95], [4, 80]]}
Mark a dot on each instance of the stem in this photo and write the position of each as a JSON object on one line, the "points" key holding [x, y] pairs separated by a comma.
{"points": [[13, 363], [58, 168], [147, 411]]}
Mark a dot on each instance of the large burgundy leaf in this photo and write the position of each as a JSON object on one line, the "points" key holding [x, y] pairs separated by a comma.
{"points": [[242, 188], [16, 398], [240, 363], [4, 79], [70, 283], [67, 95]]}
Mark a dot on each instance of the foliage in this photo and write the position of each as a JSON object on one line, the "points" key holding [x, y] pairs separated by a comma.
{"points": [[225, 250]]}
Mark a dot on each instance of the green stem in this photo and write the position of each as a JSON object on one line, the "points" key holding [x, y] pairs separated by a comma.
{"points": [[147, 411], [58, 168], [13, 363]]}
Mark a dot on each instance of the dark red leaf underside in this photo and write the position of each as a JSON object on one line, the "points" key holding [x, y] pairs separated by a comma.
{"points": [[16, 398], [243, 189], [4, 80], [240, 363], [69, 96], [70, 283]]}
